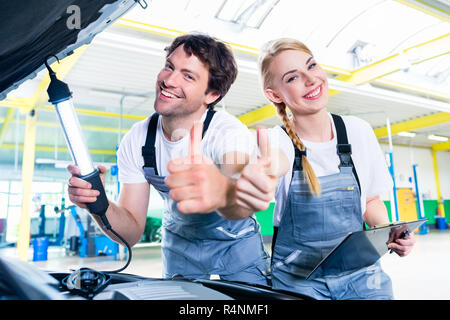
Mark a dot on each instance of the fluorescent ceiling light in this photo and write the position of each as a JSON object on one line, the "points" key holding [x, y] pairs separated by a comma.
{"points": [[61, 164], [140, 45], [44, 161], [247, 66], [407, 134], [437, 138], [388, 95], [134, 41], [129, 96], [105, 94]]}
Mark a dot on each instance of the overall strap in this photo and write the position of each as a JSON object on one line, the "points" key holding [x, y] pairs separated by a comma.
{"points": [[298, 156], [148, 150], [274, 240], [209, 116], [344, 149], [297, 166]]}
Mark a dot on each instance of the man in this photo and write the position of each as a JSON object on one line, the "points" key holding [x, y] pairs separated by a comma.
{"points": [[205, 230]]}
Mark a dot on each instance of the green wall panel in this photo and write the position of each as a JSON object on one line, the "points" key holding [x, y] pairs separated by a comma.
{"points": [[265, 219], [388, 207]]}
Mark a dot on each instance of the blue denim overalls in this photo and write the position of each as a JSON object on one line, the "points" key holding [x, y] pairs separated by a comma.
{"points": [[199, 245], [312, 226]]}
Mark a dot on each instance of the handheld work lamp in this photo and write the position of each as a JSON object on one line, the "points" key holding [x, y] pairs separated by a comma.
{"points": [[61, 97]]}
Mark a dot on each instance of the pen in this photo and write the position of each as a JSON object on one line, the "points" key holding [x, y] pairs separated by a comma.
{"points": [[404, 234]]}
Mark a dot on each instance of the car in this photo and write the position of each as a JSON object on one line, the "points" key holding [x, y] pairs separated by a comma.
{"points": [[55, 28]]}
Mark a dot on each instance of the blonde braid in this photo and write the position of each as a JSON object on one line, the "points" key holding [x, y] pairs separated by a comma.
{"points": [[313, 182]]}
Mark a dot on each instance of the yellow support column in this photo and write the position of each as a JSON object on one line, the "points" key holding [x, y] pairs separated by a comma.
{"points": [[438, 184], [27, 177], [8, 119]]}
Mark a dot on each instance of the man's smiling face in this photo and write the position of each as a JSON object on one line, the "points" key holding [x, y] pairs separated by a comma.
{"points": [[181, 86]]}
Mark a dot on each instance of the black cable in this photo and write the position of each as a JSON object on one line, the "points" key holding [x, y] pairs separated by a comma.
{"points": [[109, 228]]}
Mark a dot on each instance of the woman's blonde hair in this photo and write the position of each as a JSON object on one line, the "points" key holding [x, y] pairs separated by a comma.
{"points": [[268, 53]]}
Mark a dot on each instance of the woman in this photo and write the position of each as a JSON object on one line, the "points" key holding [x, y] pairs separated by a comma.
{"points": [[336, 172]]}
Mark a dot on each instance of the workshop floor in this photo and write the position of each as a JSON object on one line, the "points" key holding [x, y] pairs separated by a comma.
{"points": [[422, 275]]}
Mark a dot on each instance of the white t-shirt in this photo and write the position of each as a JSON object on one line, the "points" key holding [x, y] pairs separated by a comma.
{"points": [[367, 158], [225, 134]]}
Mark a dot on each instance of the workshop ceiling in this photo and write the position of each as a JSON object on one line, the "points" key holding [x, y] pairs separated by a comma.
{"points": [[116, 72]]}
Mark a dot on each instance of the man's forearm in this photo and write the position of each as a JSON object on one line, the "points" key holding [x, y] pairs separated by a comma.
{"points": [[122, 222]]}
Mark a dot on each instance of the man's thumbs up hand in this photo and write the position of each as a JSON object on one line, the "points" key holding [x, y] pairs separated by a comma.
{"points": [[195, 181]]}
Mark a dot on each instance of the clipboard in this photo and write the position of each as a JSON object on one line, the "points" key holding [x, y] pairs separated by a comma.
{"points": [[362, 248]]}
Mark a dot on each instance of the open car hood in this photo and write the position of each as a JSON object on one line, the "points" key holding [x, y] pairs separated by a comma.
{"points": [[32, 30]]}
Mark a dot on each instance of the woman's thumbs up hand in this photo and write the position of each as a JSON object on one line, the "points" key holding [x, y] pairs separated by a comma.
{"points": [[255, 188]]}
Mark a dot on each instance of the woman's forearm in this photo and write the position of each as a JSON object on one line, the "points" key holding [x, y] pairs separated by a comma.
{"points": [[376, 212]]}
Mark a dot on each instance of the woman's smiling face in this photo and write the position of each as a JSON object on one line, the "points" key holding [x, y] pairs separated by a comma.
{"points": [[298, 81]]}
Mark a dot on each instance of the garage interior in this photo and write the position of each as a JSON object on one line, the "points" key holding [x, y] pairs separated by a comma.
{"points": [[387, 62]]}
